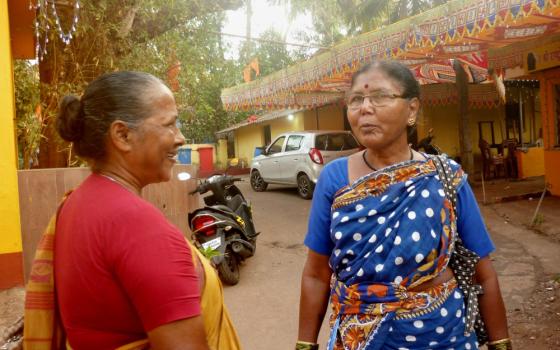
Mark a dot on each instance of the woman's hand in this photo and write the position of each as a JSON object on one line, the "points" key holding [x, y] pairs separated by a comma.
{"points": [[491, 304], [186, 334], [315, 287]]}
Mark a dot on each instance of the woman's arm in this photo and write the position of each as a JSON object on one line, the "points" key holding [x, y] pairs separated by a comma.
{"points": [[491, 304], [315, 287], [187, 334]]}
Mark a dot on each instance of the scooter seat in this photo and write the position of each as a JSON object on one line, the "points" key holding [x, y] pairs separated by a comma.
{"points": [[222, 207]]}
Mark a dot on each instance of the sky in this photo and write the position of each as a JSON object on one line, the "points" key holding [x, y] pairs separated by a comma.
{"points": [[264, 16]]}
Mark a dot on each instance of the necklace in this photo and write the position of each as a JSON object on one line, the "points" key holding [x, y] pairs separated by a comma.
{"points": [[117, 182], [374, 169]]}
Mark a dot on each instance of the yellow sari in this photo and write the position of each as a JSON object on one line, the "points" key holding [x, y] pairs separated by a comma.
{"points": [[43, 329]]}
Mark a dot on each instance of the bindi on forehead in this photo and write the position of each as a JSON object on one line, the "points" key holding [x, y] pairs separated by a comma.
{"points": [[366, 86]]}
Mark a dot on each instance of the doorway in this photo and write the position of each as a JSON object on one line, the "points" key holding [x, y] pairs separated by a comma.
{"points": [[267, 135]]}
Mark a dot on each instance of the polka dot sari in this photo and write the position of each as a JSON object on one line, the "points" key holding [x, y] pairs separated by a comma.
{"points": [[392, 231]]}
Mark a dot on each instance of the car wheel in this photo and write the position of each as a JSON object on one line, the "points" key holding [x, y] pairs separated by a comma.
{"points": [[257, 182], [305, 186]]}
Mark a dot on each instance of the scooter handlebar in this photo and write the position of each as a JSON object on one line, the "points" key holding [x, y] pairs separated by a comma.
{"points": [[201, 188]]}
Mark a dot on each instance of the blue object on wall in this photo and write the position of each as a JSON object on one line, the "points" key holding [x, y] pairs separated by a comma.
{"points": [[184, 156], [258, 151]]}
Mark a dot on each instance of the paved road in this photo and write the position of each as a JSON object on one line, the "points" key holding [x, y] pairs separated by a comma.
{"points": [[264, 305]]}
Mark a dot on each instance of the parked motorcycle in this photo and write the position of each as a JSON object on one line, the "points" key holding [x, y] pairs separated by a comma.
{"points": [[224, 226], [427, 145]]}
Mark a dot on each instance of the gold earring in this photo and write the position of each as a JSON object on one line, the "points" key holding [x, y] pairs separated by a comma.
{"points": [[411, 122]]}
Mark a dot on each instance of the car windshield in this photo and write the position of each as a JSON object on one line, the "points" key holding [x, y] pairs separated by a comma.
{"points": [[335, 142]]}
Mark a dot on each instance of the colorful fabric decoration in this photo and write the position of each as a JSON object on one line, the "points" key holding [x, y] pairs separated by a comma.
{"points": [[462, 29]]}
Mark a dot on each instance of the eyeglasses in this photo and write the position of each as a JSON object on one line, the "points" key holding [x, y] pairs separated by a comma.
{"points": [[378, 99]]}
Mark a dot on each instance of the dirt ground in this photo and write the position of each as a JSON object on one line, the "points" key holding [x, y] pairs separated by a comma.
{"points": [[535, 322], [11, 308], [264, 305]]}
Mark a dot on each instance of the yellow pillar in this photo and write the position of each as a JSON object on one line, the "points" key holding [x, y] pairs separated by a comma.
{"points": [[221, 153], [11, 260]]}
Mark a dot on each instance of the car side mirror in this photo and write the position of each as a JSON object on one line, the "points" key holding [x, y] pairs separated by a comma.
{"points": [[265, 151]]}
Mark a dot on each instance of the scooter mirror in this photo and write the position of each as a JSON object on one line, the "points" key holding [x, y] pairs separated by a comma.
{"points": [[184, 176]]}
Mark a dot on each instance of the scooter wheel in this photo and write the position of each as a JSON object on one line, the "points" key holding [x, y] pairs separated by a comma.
{"points": [[228, 269]]}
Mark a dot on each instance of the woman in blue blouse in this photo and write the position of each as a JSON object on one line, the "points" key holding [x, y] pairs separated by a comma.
{"points": [[380, 236]]}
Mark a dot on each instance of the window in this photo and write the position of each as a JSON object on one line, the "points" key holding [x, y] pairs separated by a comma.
{"points": [[230, 145], [486, 132], [276, 147], [294, 143], [335, 142]]}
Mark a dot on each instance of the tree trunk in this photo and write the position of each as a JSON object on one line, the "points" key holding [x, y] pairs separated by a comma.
{"points": [[465, 132], [51, 153]]}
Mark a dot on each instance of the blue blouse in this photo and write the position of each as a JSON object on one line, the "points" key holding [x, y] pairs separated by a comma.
{"points": [[334, 176]]}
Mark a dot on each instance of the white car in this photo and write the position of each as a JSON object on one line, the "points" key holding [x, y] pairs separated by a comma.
{"points": [[297, 158]]}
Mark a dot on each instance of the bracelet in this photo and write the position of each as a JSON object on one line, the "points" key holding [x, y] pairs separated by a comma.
{"points": [[502, 344], [303, 345]]}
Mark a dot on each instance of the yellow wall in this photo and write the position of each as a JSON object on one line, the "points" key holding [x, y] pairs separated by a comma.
{"points": [[552, 170], [445, 122], [284, 124], [247, 138], [330, 117], [530, 163], [10, 235]]}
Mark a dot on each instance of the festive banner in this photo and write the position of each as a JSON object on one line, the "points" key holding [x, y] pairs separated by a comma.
{"points": [[480, 95], [460, 29], [531, 55]]}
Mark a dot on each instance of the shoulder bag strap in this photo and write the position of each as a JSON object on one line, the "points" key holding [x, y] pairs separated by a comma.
{"points": [[445, 175]]}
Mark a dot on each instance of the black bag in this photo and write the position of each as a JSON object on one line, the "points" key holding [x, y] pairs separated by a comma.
{"points": [[463, 261]]}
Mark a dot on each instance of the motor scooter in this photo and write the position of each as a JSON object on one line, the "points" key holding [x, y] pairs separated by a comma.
{"points": [[224, 227], [427, 145]]}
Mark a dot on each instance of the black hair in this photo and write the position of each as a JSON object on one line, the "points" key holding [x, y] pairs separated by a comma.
{"points": [[396, 71], [114, 96]]}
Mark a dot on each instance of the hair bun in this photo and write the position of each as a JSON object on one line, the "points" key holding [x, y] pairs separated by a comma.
{"points": [[70, 121]]}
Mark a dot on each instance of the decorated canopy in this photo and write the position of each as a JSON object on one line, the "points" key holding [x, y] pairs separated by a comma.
{"points": [[460, 29], [530, 56]]}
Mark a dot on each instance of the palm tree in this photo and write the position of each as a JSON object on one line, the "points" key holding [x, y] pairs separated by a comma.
{"points": [[336, 19]]}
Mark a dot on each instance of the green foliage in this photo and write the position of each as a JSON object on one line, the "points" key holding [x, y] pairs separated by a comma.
{"points": [[204, 73], [539, 220], [272, 56], [209, 252], [151, 35], [142, 35], [335, 20], [28, 122]]}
